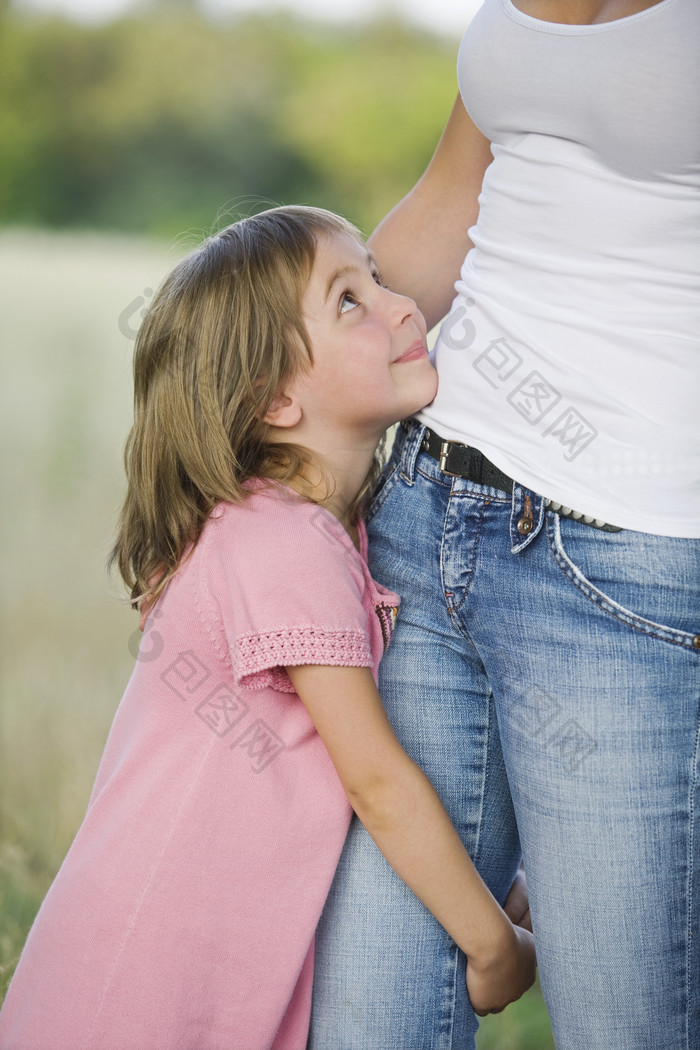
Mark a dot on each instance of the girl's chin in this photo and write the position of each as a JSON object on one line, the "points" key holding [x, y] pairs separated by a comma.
{"points": [[428, 390]]}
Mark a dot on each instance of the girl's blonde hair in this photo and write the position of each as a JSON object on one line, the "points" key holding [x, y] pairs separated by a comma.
{"points": [[224, 334]]}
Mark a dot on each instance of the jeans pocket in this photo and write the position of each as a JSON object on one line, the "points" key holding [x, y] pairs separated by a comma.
{"points": [[650, 583]]}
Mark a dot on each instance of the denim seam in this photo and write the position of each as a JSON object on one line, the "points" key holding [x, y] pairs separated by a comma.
{"points": [[607, 605], [452, 612], [490, 712], [490, 495], [447, 484], [449, 1019], [410, 450], [520, 543], [485, 497], [456, 608], [691, 869]]}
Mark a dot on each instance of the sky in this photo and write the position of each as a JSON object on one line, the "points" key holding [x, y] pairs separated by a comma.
{"points": [[443, 16]]}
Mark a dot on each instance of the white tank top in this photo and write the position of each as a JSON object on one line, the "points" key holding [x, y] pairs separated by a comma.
{"points": [[571, 354]]}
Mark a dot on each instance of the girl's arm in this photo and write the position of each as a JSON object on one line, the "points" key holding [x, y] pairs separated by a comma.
{"points": [[400, 809], [421, 244]]}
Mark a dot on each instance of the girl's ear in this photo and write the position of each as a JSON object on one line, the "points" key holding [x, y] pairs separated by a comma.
{"points": [[284, 411]]}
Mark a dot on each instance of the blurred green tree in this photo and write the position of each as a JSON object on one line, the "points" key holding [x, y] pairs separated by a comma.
{"points": [[163, 121]]}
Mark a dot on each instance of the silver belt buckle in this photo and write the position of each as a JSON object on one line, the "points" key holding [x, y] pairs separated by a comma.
{"points": [[444, 452]]}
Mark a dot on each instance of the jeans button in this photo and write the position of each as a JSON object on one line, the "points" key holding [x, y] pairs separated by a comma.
{"points": [[526, 523], [696, 641]]}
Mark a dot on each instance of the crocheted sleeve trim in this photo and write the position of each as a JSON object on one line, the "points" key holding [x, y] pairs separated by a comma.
{"points": [[261, 658]]}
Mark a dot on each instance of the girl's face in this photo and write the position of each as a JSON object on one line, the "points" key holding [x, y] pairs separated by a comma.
{"points": [[371, 366]]}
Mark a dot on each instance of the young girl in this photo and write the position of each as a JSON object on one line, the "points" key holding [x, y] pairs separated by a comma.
{"points": [[270, 364]]}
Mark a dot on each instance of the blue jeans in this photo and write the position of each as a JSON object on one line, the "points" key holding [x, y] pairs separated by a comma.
{"points": [[549, 685]]}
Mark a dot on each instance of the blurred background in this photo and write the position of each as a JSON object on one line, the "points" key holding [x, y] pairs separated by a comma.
{"points": [[128, 132]]}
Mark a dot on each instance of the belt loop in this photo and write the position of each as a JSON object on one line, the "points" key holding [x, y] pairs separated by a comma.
{"points": [[526, 517], [409, 453]]}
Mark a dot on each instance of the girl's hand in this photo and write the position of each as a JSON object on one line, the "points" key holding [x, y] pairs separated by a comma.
{"points": [[503, 978], [517, 905]]}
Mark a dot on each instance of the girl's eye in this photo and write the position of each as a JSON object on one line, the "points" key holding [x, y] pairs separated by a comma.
{"points": [[348, 302]]}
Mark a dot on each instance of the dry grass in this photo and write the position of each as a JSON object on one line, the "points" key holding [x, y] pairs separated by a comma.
{"points": [[65, 407]]}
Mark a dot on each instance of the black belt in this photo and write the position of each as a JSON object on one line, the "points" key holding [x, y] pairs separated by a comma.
{"points": [[463, 461]]}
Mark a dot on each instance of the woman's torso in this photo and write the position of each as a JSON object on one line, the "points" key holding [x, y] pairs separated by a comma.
{"points": [[570, 356]]}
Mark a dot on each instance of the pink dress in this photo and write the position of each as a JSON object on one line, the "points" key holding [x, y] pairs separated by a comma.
{"points": [[184, 913]]}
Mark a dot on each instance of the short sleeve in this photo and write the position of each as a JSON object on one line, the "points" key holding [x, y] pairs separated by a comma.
{"points": [[284, 586]]}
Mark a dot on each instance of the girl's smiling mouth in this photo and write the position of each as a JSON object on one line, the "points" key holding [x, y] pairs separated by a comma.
{"points": [[414, 352]]}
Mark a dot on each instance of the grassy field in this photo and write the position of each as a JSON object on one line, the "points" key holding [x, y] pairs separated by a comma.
{"points": [[68, 307]]}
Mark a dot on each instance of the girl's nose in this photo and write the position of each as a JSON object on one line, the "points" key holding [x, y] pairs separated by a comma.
{"points": [[403, 308]]}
